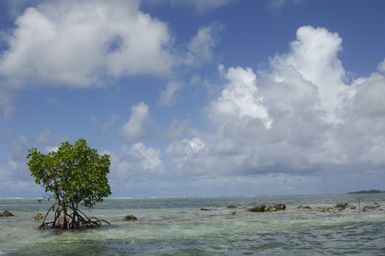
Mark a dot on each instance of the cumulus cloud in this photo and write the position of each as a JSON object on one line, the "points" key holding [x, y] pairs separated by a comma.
{"points": [[134, 162], [201, 46], [299, 117], [184, 151], [82, 44], [149, 158], [240, 98], [168, 95], [78, 43], [315, 56], [133, 129]]}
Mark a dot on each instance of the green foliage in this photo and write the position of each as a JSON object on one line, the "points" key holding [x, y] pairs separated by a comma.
{"points": [[74, 174]]}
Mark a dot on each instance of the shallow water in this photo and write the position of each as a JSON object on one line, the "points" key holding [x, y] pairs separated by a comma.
{"points": [[178, 227]]}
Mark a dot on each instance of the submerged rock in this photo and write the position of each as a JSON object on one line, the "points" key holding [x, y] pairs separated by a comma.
{"points": [[271, 209], [39, 216], [130, 218], [6, 213], [205, 209], [231, 206], [328, 209], [370, 207], [306, 207], [280, 207], [258, 208], [341, 206]]}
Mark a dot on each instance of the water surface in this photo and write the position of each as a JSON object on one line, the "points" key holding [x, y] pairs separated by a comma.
{"points": [[177, 226]]}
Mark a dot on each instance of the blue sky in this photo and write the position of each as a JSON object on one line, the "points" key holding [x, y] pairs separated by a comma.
{"points": [[198, 98]]}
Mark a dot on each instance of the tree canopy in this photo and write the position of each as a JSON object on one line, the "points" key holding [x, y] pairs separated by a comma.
{"points": [[75, 175]]}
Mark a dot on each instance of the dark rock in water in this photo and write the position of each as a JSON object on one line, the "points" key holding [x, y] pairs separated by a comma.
{"points": [[258, 208], [231, 206], [264, 208], [6, 213], [270, 209], [280, 207], [306, 207], [130, 218], [233, 213], [205, 209], [39, 216], [341, 206], [370, 207]]}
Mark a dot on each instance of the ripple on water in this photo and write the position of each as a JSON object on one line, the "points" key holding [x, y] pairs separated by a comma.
{"points": [[185, 230]]}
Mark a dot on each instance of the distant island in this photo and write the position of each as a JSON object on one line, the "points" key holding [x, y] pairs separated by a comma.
{"points": [[370, 191]]}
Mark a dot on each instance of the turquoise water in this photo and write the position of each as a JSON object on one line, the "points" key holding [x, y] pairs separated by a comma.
{"points": [[178, 227]]}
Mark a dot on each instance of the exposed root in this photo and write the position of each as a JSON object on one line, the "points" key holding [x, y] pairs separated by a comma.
{"points": [[70, 218]]}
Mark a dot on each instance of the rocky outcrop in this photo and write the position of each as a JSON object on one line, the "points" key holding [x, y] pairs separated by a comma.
{"points": [[130, 218], [329, 209], [280, 207], [258, 208], [6, 213], [370, 207], [270, 208], [306, 207], [341, 206]]}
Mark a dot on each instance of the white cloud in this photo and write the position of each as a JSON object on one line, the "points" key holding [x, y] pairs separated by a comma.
{"points": [[201, 46], [240, 99], [51, 149], [299, 117], [121, 168], [134, 161], [315, 56], [185, 151], [168, 95], [149, 158], [133, 129], [79, 43], [82, 44]]}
